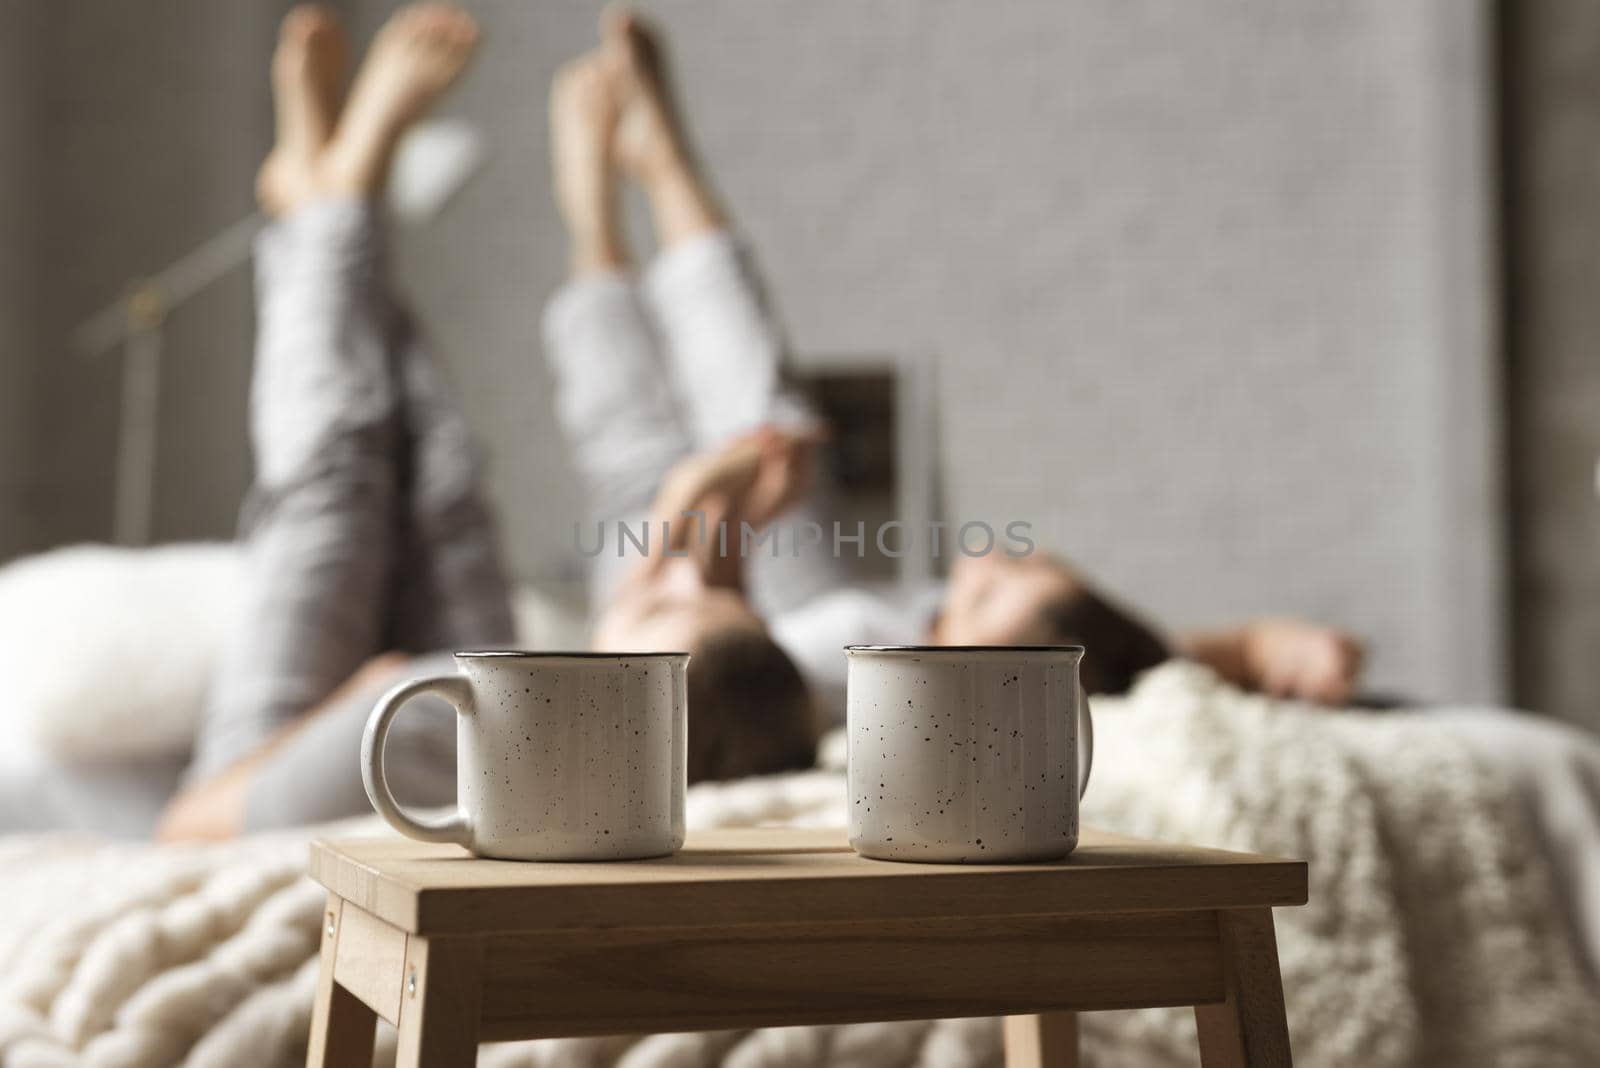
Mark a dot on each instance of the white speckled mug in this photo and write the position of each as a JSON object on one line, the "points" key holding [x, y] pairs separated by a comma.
{"points": [[559, 756], [966, 754]]}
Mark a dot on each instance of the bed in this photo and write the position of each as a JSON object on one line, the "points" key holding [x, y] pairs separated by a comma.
{"points": [[1436, 933], [1455, 881]]}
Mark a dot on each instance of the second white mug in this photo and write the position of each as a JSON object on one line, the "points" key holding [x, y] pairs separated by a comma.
{"points": [[966, 754]]}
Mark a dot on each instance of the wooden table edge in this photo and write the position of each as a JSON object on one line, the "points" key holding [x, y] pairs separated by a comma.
{"points": [[1092, 838], [407, 905]]}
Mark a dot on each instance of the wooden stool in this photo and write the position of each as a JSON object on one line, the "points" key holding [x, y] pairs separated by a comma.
{"points": [[765, 928]]}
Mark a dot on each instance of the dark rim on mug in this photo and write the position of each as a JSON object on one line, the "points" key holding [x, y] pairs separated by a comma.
{"points": [[964, 649], [524, 654]]}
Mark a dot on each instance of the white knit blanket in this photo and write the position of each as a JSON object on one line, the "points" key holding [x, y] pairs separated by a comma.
{"points": [[1432, 937]]}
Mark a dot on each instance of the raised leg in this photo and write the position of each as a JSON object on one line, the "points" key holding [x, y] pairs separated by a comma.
{"points": [[440, 1010], [341, 1026], [1249, 1027], [324, 404], [1048, 1040]]}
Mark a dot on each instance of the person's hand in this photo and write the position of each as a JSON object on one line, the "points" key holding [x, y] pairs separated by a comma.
{"points": [[707, 482], [1296, 659], [754, 478], [784, 475]]}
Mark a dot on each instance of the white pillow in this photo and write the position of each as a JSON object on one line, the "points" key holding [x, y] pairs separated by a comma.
{"points": [[106, 653]]}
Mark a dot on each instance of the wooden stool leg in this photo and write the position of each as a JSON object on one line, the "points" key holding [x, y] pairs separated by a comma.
{"points": [[440, 1011], [1249, 1028], [1048, 1040], [341, 1026]]}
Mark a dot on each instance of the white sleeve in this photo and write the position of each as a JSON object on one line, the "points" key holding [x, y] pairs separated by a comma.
{"points": [[612, 395], [724, 348]]}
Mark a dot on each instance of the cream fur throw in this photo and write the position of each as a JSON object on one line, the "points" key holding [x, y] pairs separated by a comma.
{"points": [[1432, 937]]}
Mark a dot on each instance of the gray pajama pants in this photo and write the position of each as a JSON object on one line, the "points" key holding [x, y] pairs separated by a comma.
{"points": [[365, 531]]}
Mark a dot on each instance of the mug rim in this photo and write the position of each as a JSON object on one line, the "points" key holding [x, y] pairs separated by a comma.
{"points": [[964, 649], [532, 654]]}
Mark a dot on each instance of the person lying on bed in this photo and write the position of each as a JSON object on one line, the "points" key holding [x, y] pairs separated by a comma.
{"points": [[677, 379], [670, 388], [366, 536]]}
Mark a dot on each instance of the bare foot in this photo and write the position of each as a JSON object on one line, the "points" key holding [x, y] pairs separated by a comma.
{"points": [[307, 72], [651, 143], [585, 104], [649, 140], [419, 53]]}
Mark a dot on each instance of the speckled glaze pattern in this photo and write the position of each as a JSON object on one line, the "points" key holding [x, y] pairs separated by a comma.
{"points": [[964, 755], [559, 757]]}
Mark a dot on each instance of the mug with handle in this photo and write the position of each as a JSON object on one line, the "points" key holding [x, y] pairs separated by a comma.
{"points": [[966, 754], [559, 756]]}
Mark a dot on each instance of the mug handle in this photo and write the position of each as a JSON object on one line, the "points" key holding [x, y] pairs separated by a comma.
{"points": [[1086, 740], [453, 828]]}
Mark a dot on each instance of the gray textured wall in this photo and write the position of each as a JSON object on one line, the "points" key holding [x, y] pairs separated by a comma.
{"points": [[16, 280], [152, 119], [1553, 137], [1203, 284]]}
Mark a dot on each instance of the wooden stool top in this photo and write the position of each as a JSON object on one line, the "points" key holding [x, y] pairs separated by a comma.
{"points": [[761, 876]]}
